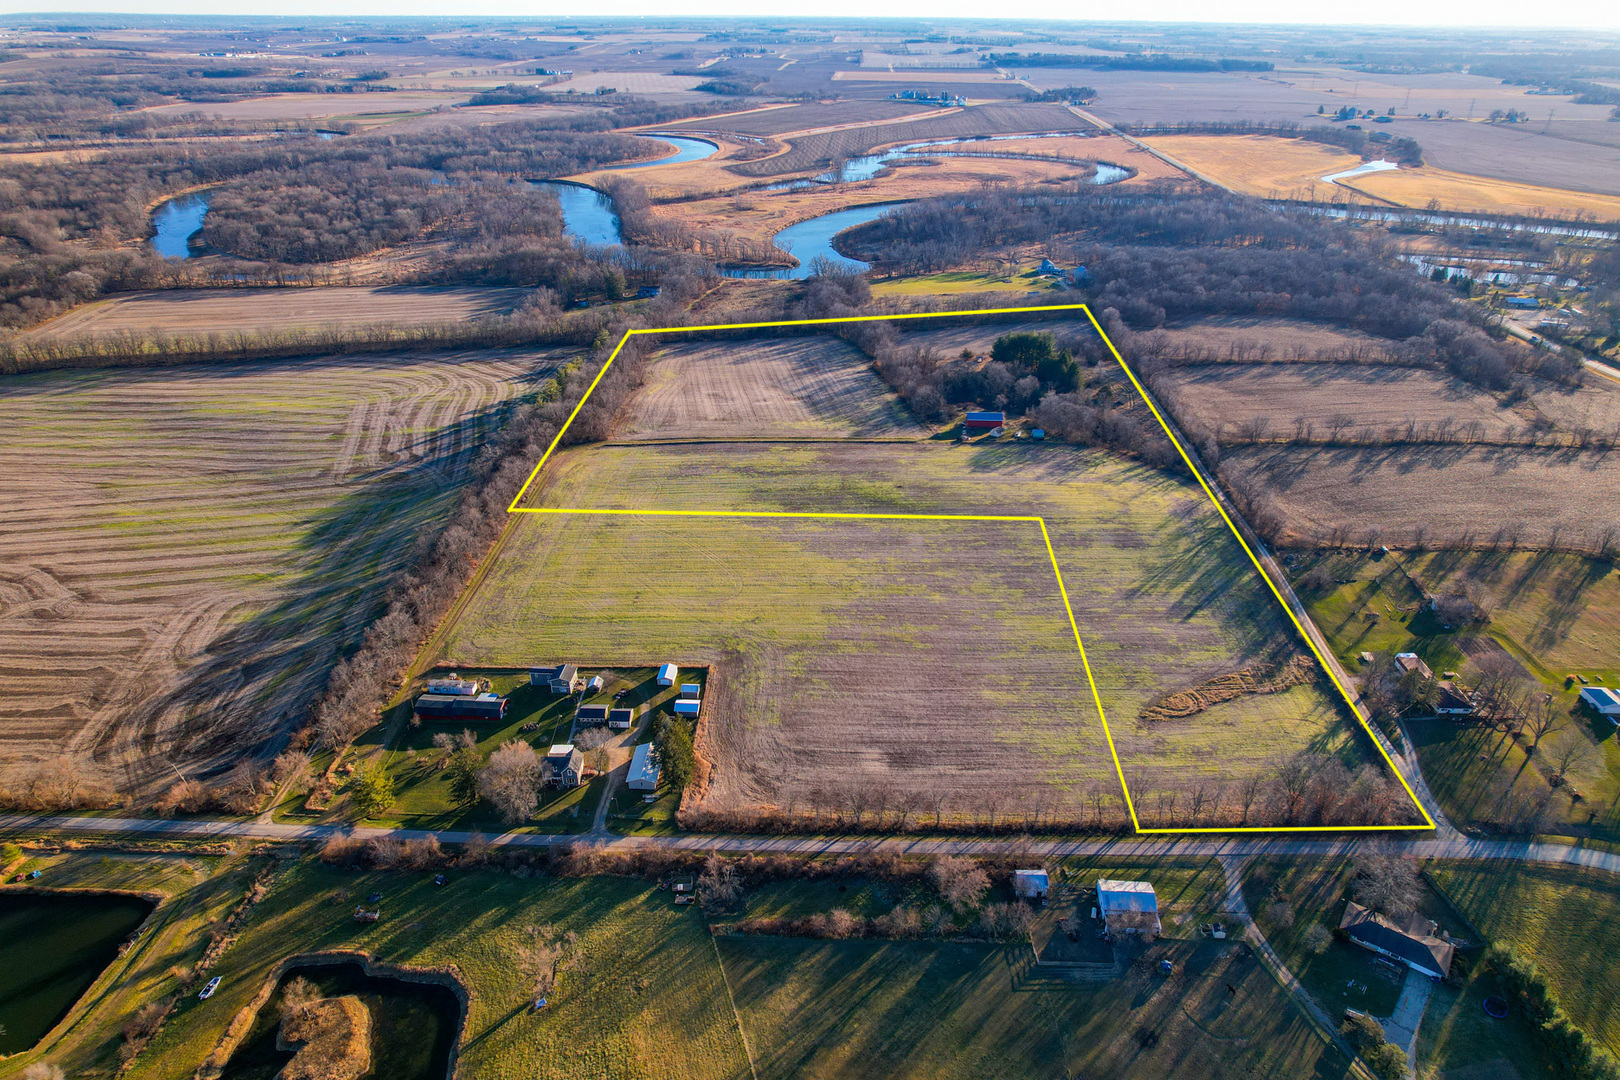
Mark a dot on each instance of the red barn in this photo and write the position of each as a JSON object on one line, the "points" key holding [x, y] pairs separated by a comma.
{"points": [[984, 421]]}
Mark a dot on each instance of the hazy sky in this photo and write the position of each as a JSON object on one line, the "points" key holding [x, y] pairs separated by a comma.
{"points": [[1463, 14]]}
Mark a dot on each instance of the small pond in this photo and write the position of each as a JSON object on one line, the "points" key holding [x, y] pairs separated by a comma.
{"points": [[413, 1025], [587, 213], [809, 239], [52, 947], [174, 223]]}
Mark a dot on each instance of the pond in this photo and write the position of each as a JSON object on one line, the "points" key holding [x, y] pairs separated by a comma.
{"points": [[685, 150], [174, 223], [809, 239], [413, 1025], [1361, 170], [587, 213], [52, 947]]}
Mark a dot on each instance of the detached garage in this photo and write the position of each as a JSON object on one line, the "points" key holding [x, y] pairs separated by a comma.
{"points": [[688, 707], [643, 770], [1603, 701]]}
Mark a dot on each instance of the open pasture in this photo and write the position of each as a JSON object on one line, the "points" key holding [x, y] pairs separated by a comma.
{"points": [[1265, 167], [225, 311], [183, 550], [1454, 495], [900, 654], [1446, 190], [313, 106], [806, 387]]}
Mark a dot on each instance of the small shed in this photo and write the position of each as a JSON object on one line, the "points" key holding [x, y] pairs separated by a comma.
{"points": [[1411, 661], [984, 421], [1031, 884], [621, 719], [592, 714], [668, 674], [1038, 434], [1128, 907], [1603, 701], [691, 690], [643, 769], [596, 684], [454, 686], [688, 707]]}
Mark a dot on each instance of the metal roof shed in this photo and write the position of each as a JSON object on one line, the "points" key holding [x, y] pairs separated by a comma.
{"points": [[643, 769], [691, 690], [667, 674], [1031, 884], [687, 707]]}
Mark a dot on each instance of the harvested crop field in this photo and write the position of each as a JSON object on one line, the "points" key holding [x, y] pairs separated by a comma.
{"points": [[1336, 397], [799, 387], [1252, 341], [1259, 165], [307, 106], [223, 311], [794, 118], [1457, 496], [1446, 190], [855, 655], [184, 551]]}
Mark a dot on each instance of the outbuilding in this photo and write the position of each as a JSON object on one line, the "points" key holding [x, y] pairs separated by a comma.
{"points": [[621, 719], [1411, 661], [668, 674], [643, 769], [1031, 884], [1413, 944], [591, 714], [691, 690], [1128, 907], [596, 684], [1603, 701], [454, 687], [688, 707], [460, 707], [984, 421]]}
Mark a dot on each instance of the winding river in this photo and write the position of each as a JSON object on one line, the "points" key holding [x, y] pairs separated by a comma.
{"points": [[175, 221]]}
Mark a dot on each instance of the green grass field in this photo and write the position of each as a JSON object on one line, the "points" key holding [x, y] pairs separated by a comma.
{"points": [[1566, 920], [1557, 615], [914, 638]]}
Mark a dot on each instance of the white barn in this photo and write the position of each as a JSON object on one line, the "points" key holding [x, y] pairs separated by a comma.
{"points": [[643, 770], [667, 674], [1603, 701]]}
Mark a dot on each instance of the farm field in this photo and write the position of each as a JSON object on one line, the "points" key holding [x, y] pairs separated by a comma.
{"points": [[857, 1009], [1562, 919], [1452, 494], [648, 987], [225, 311], [794, 119], [1259, 340], [1340, 397], [310, 106], [1261, 166], [858, 660], [183, 549], [1425, 186], [785, 388]]}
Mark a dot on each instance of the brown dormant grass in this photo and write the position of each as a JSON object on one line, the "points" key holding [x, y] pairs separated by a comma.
{"points": [[223, 311], [1482, 195], [183, 551], [798, 387], [1259, 165]]}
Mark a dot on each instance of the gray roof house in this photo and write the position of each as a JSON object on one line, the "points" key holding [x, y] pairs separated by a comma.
{"points": [[1413, 944]]}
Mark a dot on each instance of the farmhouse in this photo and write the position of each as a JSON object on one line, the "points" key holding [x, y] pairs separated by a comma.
{"points": [[667, 674], [1128, 907], [643, 770], [1410, 661], [592, 714], [559, 679], [460, 707], [1603, 701], [1454, 701], [621, 719], [1031, 884], [687, 707], [1523, 303], [564, 767], [984, 421], [1413, 945], [454, 686]]}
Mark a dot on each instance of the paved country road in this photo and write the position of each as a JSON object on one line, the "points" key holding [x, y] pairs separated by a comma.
{"points": [[1441, 847]]}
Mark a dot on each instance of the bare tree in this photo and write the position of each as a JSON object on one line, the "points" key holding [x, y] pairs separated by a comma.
{"points": [[718, 887], [1387, 883], [1542, 718], [511, 781], [960, 881]]}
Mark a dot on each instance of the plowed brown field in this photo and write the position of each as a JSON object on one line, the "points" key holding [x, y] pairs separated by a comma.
{"points": [[183, 552]]}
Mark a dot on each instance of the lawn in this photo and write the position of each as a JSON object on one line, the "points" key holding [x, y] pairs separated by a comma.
{"points": [[838, 643], [648, 992], [1566, 920], [1557, 615], [825, 1009]]}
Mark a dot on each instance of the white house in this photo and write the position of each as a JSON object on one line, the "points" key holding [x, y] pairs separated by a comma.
{"points": [[1128, 906], [667, 674], [643, 769], [1603, 701]]}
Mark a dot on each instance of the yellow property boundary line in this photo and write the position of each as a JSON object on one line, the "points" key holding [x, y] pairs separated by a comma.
{"points": [[1091, 681]]}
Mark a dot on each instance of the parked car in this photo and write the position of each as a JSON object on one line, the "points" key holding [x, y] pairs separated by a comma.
{"points": [[208, 991]]}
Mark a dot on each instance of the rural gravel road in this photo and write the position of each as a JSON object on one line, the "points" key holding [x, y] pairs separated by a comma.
{"points": [[1441, 847]]}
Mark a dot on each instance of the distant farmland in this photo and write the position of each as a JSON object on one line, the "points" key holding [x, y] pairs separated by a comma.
{"points": [[225, 311], [906, 655], [182, 551]]}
